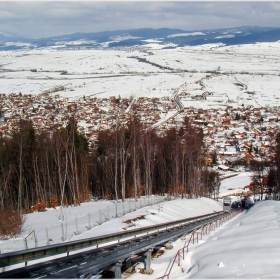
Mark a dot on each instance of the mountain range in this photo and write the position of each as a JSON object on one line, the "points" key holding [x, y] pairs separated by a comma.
{"points": [[168, 38]]}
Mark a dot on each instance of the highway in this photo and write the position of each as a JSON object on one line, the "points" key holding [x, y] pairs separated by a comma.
{"points": [[179, 108]]}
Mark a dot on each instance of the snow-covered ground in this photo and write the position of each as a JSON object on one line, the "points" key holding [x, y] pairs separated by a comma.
{"points": [[235, 184], [99, 217], [248, 74], [92, 219], [245, 247]]}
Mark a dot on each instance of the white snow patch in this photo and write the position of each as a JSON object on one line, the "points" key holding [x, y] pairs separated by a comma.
{"points": [[225, 36], [186, 34]]}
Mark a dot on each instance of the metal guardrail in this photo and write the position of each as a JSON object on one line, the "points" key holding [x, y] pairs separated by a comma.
{"points": [[23, 256], [146, 243], [83, 263]]}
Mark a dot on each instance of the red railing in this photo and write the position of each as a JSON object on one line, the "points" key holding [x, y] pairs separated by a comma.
{"points": [[203, 231]]}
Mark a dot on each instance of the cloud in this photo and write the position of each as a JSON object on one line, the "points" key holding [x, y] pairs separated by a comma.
{"points": [[49, 18]]}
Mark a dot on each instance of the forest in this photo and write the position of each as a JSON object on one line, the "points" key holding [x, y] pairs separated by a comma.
{"points": [[40, 169]]}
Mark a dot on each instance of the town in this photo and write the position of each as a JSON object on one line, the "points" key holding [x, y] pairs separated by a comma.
{"points": [[233, 134]]}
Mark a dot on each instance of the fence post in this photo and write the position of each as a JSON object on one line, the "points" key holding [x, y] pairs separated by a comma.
{"points": [[89, 226], [77, 230], [25, 244], [48, 240], [116, 208], [62, 231], [36, 240]]}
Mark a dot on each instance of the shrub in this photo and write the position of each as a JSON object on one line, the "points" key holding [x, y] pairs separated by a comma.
{"points": [[11, 223], [54, 201], [40, 206]]}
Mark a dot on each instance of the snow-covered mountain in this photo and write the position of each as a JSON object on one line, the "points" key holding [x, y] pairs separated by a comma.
{"points": [[9, 37], [123, 38]]}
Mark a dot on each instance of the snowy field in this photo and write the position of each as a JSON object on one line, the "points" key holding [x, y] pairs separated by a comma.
{"points": [[245, 74]]}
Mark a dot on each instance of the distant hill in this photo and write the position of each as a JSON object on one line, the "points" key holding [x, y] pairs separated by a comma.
{"points": [[128, 38], [6, 37]]}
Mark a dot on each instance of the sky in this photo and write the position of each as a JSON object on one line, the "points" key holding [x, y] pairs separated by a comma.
{"points": [[38, 19]]}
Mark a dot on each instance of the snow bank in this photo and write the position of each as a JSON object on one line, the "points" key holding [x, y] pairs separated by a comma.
{"points": [[248, 247]]}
